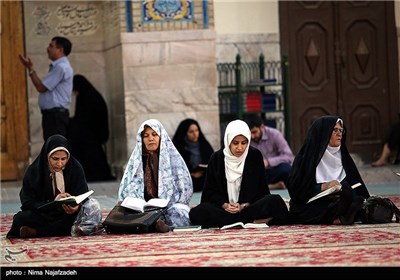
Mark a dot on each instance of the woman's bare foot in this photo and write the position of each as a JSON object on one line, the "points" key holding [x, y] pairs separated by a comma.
{"points": [[384, 158], [379, 163], [277, 186], [161, 226], [27, 232]]}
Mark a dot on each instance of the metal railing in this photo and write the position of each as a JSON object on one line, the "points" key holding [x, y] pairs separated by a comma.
{"points": [[247, 87]]}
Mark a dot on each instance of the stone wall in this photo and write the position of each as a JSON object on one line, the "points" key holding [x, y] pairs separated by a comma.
{"points": [[168, 75]]}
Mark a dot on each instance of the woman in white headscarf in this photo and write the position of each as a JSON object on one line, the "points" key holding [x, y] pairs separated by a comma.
{"points": [[235, 186], [156, 170]]}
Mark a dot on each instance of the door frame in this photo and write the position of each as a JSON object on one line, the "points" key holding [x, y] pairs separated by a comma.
{"points": [[14, 100]]}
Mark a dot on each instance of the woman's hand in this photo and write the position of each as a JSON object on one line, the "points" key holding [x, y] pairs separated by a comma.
{"points": [[68, 209], [62, 195], [197, 174], [234, 207], [330, 184]]}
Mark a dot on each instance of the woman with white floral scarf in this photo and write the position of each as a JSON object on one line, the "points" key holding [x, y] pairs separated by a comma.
{"points": [[156, 170]]}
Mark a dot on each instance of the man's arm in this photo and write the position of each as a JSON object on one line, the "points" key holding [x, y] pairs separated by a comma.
{"points": [[26, 61], [285, 154]]}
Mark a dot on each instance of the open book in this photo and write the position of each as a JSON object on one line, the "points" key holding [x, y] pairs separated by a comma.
{"points": [[241, 225], [331, 190], [71, 200], [201, 167], [141, 205]]}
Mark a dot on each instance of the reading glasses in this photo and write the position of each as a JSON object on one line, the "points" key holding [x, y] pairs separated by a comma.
{"points": [[337, 130]]}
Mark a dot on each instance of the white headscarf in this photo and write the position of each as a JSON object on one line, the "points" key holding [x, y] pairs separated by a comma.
{"points": [[330, 167], [58, 177], [234, 165]]}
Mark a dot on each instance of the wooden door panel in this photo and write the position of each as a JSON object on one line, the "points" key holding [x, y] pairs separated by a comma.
{"points": [[342, 58], [364, 83], [311, 66], [14, 115]]}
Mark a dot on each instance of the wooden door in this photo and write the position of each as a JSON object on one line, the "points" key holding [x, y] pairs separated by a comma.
{"points": [[342, 59], [14, 111]]}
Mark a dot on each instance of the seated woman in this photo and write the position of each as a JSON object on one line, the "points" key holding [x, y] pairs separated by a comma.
{"points": [[323, 162], [156, 170], [195, 150], [54, 174], [234, 189]]}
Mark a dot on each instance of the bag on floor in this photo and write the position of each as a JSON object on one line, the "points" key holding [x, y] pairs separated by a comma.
{"points": [[88, 220], [379, 210], [124, 220]]}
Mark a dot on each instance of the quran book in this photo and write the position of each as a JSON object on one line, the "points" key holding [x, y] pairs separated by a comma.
{"points": [[71, 200], [141, 205], [331, 190], [187, 228], [240, 225]]}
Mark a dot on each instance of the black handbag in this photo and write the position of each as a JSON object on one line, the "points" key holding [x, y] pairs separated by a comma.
{"points": [[379, 210], [124, 220]]}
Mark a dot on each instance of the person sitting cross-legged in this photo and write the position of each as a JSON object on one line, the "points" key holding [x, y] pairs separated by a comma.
{"points": [[324, 162], [235, 186], [156, 170]]}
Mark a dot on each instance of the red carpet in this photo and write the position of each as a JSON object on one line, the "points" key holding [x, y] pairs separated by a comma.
{"points": [[301, 246]]}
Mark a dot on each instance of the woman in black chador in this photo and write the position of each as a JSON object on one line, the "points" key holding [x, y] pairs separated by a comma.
{"points": [[54, 174], [323, 162], [88, 130], [195, 150]]}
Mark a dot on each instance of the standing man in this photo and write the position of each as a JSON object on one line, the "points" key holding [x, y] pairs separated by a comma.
{"points": [[55, 90], [278, 157]]}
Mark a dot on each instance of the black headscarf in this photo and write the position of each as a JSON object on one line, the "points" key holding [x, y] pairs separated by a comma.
{"points": [[179, 141], [37, 187], [302, 176], [90, 121]]}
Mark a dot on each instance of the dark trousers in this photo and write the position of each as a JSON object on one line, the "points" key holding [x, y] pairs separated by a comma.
{"points": [[55, 121], [278, 173], [210, 215]]}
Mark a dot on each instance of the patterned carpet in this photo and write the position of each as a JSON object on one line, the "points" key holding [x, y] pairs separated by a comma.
{"points": [[279, 246]]}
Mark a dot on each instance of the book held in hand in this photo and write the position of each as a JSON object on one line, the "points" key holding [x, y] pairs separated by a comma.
{"points": [[240, 225], [201, 167], [331, 190], [71, 200], [141, 205]]}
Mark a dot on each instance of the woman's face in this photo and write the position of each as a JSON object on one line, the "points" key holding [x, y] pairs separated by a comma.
{"points": [[58, 160], [238, 145], [193, 133], [336, 136], [151, 140]]}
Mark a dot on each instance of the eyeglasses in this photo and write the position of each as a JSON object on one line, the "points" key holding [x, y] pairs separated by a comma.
{"points": [[337, 130]]}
